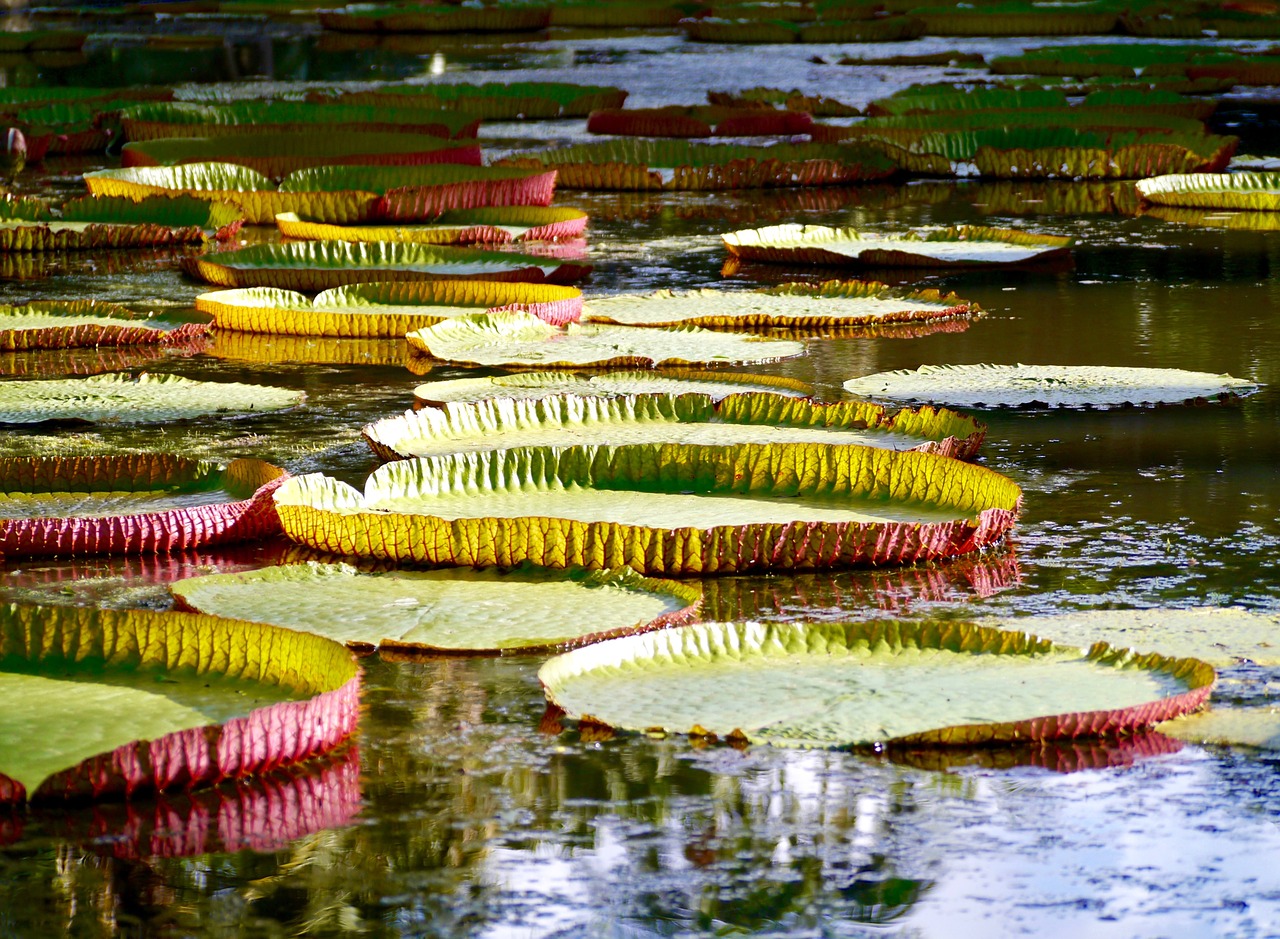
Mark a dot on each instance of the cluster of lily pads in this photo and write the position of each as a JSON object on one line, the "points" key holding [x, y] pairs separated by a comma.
{"points": [[569, 503]]}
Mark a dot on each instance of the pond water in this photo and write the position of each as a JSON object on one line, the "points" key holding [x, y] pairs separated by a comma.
{"points": [[471, 815]]}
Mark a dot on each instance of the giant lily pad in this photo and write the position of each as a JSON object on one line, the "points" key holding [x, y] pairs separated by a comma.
{"points": [[661, 509], [703, 121], [280, 154], [1054, 386], [524, 340], [1259, 192], [382, 310], [1219, 636], [53, 324], [965, 246], [334, 193], [112, 222], [185, 119], [415, 18], [147, 398], [1019, 19], [499, 101], [526, 610], [569, 420], [323, 265], [832, 305], [531, 385], [1255, 727], [870, 684], [498, 225], [678, 164], [107, 702], [136, 504]]}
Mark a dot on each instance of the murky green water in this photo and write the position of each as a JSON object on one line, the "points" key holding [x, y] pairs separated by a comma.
{"points": [[476, 818]]}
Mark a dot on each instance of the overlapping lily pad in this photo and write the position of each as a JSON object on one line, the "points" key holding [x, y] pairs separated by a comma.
{"points": [[134, 504], [497, 225], [485, 611], [705, 121], [523, 340], [113, 222], [53, 324], [792, 100], [964, 246], [758, 417], [382, 310], [831, 305], [531, 385], [281, 154], [147, 398], [106, 703], [323, 265], [1257, 192], [882, 684], [185, 119], [335, 193], [681, 165], [661, 509], [1052, 386]]}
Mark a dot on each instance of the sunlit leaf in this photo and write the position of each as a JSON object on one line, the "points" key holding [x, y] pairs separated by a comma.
{"points": [[531, 385], [965, 246], [497, 225]]}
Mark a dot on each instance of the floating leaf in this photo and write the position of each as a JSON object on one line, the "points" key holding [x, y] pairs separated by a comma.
{"points": [[869, 684], [323, 265], [412, 18], [1019, 19], [832, 305], [498, 225], [382, 310], [280, 154], [1054, 386], [498, 101], [1259, 192], [706, 121], [681, 165], [570, 420], [793, 100], [160, 700], [1257, 727], [886, 29], [526, 610], [530, 385], [145, 399], [137, 504], [522, 339], [54, 324], [965, 246], [114, 222], [1214, 635], [661, 509]]}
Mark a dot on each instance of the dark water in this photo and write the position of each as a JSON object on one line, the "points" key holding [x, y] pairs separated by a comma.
{"points": [[472, 815]]}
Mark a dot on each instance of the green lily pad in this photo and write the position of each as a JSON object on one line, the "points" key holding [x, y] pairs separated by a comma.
{"points": [[522, 339], [107, 702], [1053, 386], [113, 222], [497, 225], [493, 101], [569, 420], [1217, 636], [530, 385], [660, 509], [1258, 192], [872, 684], [1256, 727], [381, 310], [832, 305], [526, 610], [144, 399], [53, 324], [324, 265], [186, 119], [966, 246]]}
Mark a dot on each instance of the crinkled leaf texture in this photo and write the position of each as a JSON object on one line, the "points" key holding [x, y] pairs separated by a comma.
{"points": [[382, 310], [661, 509], [493, 101], [461, 611], [882, 684], [571, 420], [60, 324], [1054, 386], [1258, 192], [964, 246], [522, 339], [831, 305], [530, 385], [108, 222], [146, 398], [324, 265], [495, 225], [111, 723], [237, 118], [134, 504]]}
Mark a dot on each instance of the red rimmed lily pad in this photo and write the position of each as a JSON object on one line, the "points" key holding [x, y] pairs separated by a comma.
{"points": [[106, 703], [107, 222], [883, 685], [701, 121], [496, 225], [54, 324]]}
